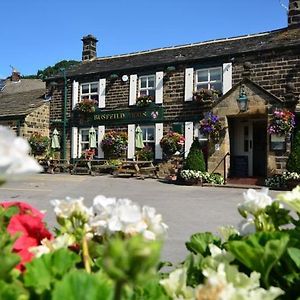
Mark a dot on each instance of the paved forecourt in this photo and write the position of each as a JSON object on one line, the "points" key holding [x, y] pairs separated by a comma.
{"points": [[185, 209]]}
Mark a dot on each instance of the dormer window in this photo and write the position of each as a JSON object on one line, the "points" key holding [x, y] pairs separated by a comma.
{"points": [[210, 79], [147, 86]]}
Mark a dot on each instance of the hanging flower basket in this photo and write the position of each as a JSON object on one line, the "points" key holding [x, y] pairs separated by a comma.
{"points": [[86, 106], [144, 101], [206, 95], [114, 144], [38, 143], [211, 126], [282, 122], [171, 143]]}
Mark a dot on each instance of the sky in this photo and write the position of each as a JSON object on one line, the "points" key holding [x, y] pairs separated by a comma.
{"points": [[36, 34]]}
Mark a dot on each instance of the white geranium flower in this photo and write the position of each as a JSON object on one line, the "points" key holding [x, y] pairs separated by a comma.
{"points": [[255, 201], [71, 207], [175, 286], [247, 227], [14, 155], [112, 215], [292, 198]]}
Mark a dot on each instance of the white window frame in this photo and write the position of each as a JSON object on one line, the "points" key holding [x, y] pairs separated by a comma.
{"points": [[89, 94], [80, 142], [146, 127], [209, 82], [147, 88]]}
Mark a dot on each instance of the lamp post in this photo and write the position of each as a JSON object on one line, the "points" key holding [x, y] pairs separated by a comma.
{"points": [[64, 135]]}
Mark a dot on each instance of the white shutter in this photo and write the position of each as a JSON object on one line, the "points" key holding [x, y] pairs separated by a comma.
{"points": [[75, 88], [132, 89], [101, 133], [159, 132], [102, 88], [227, 77], [131, 141], [74, 143], [189, 84], [189, 136], [159, 87]]}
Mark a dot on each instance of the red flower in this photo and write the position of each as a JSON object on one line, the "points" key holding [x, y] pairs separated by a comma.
{"points": [[28, 224]]}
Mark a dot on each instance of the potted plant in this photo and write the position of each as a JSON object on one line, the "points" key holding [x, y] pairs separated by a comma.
{"points": [[114, 144], [211, 125], [282, 122], [171, 143], [144, 101], [38, 143], [206, 95], [86, 106]]}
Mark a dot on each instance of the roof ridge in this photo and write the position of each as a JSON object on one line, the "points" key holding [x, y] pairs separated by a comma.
{"points": [[188, 45]]}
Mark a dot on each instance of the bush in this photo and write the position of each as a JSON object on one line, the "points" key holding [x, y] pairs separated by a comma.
{"points": [[195, 159], [38, 143], [293, 163]]}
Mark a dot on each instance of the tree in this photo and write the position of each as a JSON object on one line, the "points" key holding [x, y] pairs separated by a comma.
{"points": [[195, 159], [293, 163]]}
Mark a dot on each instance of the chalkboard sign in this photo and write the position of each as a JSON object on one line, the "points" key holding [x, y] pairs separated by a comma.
{"points": [[239, 166]]}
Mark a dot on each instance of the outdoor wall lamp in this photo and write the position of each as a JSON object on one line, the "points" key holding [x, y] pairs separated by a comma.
{"points": [[242, 100], [113, 76]]}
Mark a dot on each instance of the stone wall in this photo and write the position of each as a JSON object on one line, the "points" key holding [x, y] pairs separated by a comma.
{"points": [[37, 121]]}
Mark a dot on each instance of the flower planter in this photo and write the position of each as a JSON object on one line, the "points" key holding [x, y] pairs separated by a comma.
{"points": [[292, 183]]}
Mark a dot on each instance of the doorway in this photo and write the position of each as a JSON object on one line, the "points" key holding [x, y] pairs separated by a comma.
{"points": [[248, 144]]}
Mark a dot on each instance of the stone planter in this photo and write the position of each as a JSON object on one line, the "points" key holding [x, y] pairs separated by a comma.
{"points": [[292, 183]]}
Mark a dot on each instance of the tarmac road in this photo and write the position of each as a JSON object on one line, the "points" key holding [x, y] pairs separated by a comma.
{"points": [[185, 209]]}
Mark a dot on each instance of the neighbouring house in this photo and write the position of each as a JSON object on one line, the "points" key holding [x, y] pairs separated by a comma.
{"points": [[261, 69], [22, 105]]}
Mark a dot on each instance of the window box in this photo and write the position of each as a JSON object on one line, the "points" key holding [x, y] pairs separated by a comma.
{"points": [[144, 101], [206, 95]]}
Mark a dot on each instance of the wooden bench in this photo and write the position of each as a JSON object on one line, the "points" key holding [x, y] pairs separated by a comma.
{"points": [[58, 165], [101, 166]]}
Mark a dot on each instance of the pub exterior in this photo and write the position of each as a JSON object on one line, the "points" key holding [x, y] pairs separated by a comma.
{"points": [[263, 68]]}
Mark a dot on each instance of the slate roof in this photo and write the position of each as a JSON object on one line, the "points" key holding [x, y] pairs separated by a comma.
{"points": [[23, 85], [287, 37], [21, 104]]}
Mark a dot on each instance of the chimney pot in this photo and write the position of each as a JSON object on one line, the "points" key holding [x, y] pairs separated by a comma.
{"points": [[294, 13], [89, 50]]}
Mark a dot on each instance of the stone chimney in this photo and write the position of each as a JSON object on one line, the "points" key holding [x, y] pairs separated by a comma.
{"points": [[89, 50], [15, 76], [294, 13]]}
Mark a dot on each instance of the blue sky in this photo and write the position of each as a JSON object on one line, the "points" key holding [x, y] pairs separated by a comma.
{"points": [[39, 33]]}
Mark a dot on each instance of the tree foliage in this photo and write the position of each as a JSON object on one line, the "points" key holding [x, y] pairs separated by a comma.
{"points": [[293, 163], [195, 159]]}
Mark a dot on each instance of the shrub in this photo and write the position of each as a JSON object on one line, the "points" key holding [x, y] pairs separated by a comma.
{"points": [[293, 163], [38, 143], [195, 159]]}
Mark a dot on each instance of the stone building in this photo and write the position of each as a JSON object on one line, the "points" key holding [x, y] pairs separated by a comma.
{"points": [[23, 107], [262, 67]]}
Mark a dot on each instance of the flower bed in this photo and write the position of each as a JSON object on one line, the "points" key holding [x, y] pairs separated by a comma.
{"points": [[191, 177], [286, 180]]}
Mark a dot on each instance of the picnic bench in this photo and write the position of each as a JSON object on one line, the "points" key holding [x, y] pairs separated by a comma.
{"points": [[81, 166], [54, 165], [136, 168]]}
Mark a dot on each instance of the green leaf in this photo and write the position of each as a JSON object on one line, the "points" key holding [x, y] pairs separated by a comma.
{"points": [[199, 242], [41, 273], [294, 254], [12, 291], [260, 252], [79, 285]]}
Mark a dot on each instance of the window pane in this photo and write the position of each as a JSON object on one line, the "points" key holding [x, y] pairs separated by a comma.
{"points": [[143, 82], [143, 92], [202, 86], [150, 134], [94, 97], [215, 74], [202, 75], [216, 86], [151, 81], [85, 88], [144, 133], [94, 88], [151, 93]]}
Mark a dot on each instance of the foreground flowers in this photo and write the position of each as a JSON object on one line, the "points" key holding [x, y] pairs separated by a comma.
{"points": [[14, 156]]}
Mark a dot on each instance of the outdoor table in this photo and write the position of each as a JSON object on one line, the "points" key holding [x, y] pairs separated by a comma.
{"points": [[81, 166], [101, 165], [59, 165], [138, 168]]}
